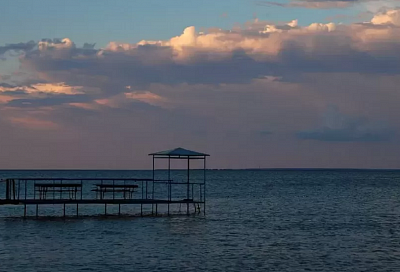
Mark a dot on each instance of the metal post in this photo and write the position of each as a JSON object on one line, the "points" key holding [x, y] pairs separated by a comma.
{"points": [[64, 211], [19, 187], [37, 210], [101, 188], [77, 210], [119, 209], [25, 210], [105, 209], [169, 181], [152, 193], [141, 203], [204, 182], [187, 189], [13, 189], [7, 189], [113, 189]]}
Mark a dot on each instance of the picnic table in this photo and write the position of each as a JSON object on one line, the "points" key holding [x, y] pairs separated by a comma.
{"points": [[44, 188], [126, 189]]}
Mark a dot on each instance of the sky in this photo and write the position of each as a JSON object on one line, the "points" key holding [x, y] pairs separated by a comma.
{"points": [[269, 84]]}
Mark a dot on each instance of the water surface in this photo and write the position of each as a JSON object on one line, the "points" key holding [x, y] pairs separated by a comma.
{"points": [[343, 220]]}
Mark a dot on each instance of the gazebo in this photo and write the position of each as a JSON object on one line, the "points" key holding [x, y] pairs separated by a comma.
{"points": [[183, 154]]}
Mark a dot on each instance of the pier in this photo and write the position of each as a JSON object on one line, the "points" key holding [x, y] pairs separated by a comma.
{"points": [[153, 196]]}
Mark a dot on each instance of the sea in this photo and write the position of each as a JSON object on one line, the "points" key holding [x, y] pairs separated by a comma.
{"points": [[256, 220]]}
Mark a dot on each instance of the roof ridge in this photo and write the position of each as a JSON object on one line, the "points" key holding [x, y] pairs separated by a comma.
{"points": [[179, 151]]}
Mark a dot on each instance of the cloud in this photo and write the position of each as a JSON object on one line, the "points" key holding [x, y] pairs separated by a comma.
{"points": [[6, 86], [48, 101], [61, 73], [309, 4], [18, 47], [223, 57], [34, 123], [146, 97], [51, 88], [261, 49], [388, 17], [315, 4], [125, 99], [338, 127]]}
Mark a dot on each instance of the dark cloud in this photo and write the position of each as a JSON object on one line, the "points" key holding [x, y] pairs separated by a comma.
{"points": [[16, 92], [338, 127], [18, 47], [31, 47], [139, 68], [6, 85], [134, 69], [89, 45], [51, 100]]}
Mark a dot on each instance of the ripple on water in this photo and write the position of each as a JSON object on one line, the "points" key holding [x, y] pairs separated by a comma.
{"points": [[256, 221]]}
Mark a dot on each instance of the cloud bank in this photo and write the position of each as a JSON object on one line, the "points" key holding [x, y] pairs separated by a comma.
{"points": [[261, 87]]}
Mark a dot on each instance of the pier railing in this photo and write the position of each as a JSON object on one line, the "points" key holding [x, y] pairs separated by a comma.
{"points": [[106, 191], [98, 189]]}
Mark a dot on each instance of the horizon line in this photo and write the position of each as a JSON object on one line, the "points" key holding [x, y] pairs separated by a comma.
{"points": [[213, 169]]}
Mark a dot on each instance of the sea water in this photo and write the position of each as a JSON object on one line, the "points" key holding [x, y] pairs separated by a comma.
{"points": [[256, 220]]}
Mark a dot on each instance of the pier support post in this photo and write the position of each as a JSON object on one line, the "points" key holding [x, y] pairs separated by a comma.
{"points": [[204, 188], [152, 190], [105, 209], [119, 209], [187, 192], [24, 211], [169, 182], [64, 211], [77, 210], [37, 210]]}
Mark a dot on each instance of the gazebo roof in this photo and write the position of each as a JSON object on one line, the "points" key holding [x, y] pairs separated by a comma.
{"points": [[179, 152]]}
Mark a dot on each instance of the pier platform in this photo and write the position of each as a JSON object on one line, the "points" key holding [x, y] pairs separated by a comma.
{"points": [[154, 191]]}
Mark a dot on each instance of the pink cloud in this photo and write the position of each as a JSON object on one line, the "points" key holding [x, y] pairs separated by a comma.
{"points": [[33, 123]]}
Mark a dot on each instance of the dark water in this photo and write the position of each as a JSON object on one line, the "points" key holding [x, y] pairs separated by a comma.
{"points": [[256, 221]]}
